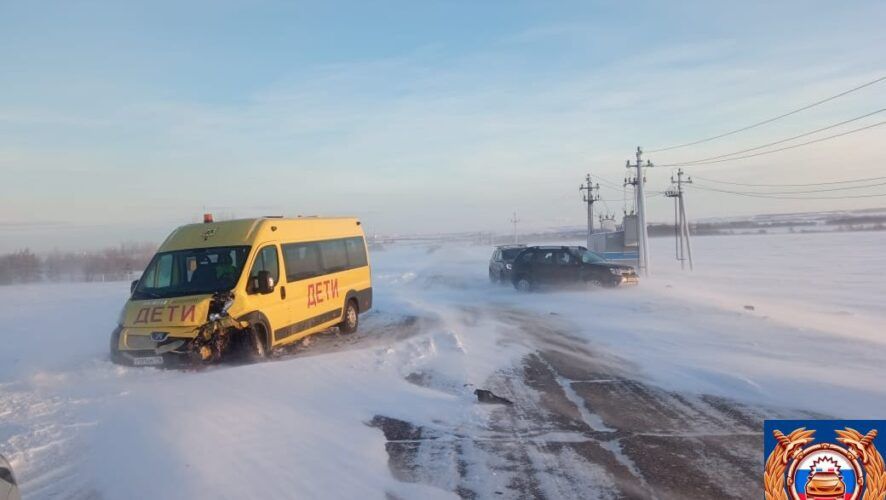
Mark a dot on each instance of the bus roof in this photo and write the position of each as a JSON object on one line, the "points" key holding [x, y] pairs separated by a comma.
{"points": [[258, 230]]}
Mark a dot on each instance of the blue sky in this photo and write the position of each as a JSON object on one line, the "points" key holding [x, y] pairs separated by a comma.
{"points": [[121, 120]]}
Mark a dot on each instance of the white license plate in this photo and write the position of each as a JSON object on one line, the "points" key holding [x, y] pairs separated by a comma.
{"points": [[148, 361]]}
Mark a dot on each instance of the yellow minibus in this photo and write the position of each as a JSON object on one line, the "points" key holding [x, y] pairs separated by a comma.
{"points": [[242, 288]]}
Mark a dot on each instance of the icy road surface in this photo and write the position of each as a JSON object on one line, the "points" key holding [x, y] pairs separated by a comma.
{"points": [[657, 391]]}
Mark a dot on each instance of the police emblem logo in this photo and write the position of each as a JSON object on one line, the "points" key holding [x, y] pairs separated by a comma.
{"points": [[823, 460]]}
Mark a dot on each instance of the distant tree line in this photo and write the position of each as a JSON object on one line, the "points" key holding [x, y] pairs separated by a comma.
{"points": [[859, 219], [108, 264]]}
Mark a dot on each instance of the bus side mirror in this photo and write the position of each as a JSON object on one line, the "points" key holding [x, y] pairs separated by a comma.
{"points": [[132, 286], [264, 282]]}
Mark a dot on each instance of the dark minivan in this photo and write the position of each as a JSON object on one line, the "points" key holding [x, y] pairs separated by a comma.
{"points": [[501, 262], [560, 265]]}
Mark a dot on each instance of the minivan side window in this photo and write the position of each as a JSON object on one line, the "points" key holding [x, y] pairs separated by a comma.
{"points": [[266, 260], [302, 261]]}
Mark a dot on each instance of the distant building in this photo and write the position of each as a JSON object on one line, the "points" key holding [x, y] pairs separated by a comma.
{"points": [[619, 245]]}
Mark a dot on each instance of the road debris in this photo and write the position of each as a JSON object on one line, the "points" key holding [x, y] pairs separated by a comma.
{"points": [[488, 397]]}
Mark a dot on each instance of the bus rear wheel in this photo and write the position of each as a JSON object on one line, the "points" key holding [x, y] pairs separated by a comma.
{"points": [[351, 318]]}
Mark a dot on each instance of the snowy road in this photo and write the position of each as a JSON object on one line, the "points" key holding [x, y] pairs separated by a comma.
{"points": [[657, 391], [579, 428]]}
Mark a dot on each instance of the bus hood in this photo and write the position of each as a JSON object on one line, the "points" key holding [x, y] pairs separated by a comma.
{"points": [[178, 311]]}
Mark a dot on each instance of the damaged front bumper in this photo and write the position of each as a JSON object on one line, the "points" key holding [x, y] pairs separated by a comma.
{"points": [[144, 347], [175, 347]]}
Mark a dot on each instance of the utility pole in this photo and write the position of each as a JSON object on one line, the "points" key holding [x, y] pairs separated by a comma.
{"points": [[590, 194], [515, 220], [643, 236], [682, 198], [678, 224], [682, 246]]}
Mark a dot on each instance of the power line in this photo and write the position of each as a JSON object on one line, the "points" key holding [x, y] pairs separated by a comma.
{"points": [[770, 120], [647, 196], [702, 160], [612, 185], [616, 201], [780, 197], [850, 181], [825, 190], [608, 183], [779, 149]]}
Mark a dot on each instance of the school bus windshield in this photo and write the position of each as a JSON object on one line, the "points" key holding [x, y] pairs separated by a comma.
{"points": [[191, 272]]}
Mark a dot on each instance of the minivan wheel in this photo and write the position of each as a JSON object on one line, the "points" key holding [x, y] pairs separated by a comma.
{"points": [[351, 318], [523, 284]]}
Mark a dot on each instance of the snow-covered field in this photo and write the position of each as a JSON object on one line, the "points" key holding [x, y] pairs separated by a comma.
{"points": [[75, 426]]}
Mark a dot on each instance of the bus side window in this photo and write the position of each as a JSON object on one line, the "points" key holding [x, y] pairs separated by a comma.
{"points": [[356, 252], [335, 256], [302, 261]]}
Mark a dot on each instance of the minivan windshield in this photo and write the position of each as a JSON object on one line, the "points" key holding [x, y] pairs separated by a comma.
{"points": [[589, 257], [191, 272]]}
